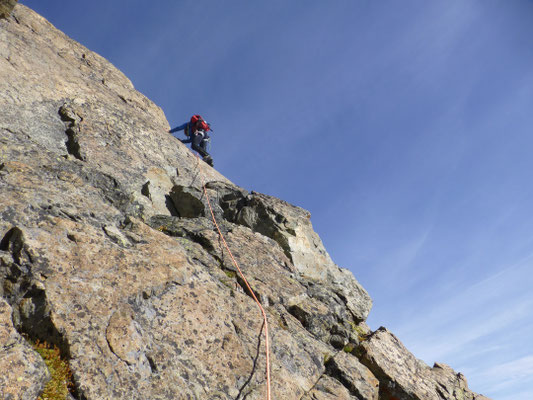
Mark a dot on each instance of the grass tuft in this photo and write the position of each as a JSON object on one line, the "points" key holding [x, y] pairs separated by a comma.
{"points": [[57, 387]]}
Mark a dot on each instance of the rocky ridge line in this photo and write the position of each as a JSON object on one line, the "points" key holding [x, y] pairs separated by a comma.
{"points": [[107, 251]]}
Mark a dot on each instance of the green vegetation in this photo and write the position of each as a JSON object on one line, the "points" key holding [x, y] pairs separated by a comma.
{"points": [[57, 387], [230, 274], [362, 334], [349, 348]]}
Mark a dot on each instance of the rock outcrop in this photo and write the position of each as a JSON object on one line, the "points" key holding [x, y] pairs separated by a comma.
{"points": [[107, 250]]}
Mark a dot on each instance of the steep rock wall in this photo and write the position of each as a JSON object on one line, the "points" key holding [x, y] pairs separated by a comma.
{"points": [[108, 252]]}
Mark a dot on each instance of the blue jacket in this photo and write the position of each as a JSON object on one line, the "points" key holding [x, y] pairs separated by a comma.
{"points": [[185, 127], [198, 142]]}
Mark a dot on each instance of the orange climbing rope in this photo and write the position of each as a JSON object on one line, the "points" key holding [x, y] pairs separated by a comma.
{"points": [[267, 348]]}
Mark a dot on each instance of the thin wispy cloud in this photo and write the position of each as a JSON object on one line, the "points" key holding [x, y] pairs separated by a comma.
{"points": [[465, 326], [502, 377]]}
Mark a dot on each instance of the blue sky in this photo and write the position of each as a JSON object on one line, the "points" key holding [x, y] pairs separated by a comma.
{"points": [[404, 127]]}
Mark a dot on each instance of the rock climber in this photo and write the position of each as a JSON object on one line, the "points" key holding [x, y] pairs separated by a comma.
{"points": [[196, 131]]}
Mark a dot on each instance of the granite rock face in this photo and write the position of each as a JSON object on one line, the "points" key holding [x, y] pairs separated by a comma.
{"points": [[108, 251], [24, 373], [410, 378]]}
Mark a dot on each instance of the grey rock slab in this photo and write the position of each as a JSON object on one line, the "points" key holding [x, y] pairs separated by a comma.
{"points": [[24, 372], [328, 388], [403, 376], [357, 378]]}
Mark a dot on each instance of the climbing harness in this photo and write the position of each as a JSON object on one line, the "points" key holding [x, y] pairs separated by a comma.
{"points": [[267, 348]]}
